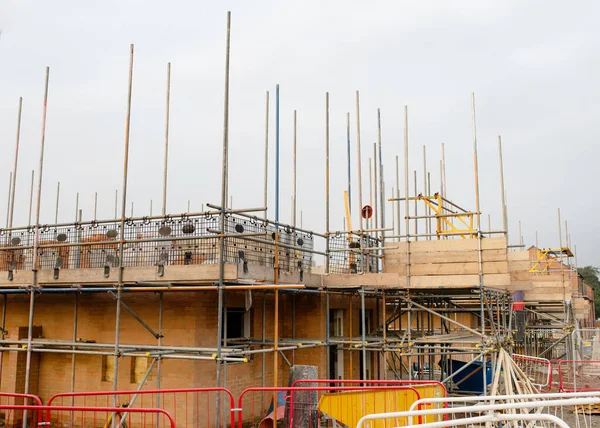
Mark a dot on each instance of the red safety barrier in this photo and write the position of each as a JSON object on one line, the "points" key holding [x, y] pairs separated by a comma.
{"points": [[538, 371], [555, 379], [343, 382], [190, 407], [310, 406], [14, 418], [150, 417], [579, 375]]}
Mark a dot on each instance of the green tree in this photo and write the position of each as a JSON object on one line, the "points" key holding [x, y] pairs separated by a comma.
{"points": [[590, 277]]}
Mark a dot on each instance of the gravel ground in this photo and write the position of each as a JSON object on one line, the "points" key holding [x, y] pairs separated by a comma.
{"points": [[579, 420]]}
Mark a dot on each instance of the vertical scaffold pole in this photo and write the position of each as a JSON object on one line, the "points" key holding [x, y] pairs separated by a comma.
{"points": [[425, 192], [327, 336], [429, 193], [381, 181], [75, 319], [166, 154], [349, 161], [384, 323], [266, 172], [360, 200], [36, 245], [96, 206], [502, 190], [265, 202], [407, 226], [369, 220], [3, 331], [480, 259], [14, 181], [399, 232], [122, 225], [475, 163], [416, 224], [364, 333], [294, 210], [561, 268], [57, 202], [375, 185], [444, 184], [276, 267], [222, 218], [327, 182]]}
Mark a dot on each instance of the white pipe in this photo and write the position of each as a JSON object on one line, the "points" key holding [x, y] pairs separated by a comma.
{"points": [[497, 418], [503, 397], [479, 408]]}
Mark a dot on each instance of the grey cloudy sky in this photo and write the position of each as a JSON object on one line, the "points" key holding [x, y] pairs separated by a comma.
{"points": [[533, 66]]}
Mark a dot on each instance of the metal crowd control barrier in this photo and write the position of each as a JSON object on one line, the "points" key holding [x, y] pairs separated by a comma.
{"points": [[15, 417], [516, 410], [538, 370], [579, 375], [319, 404], [147, 417], [189, 407]]}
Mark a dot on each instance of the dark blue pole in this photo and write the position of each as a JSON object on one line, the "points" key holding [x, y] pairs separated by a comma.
{"points": [[277, 157]]}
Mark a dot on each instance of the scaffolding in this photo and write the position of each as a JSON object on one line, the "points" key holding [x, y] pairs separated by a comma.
{"points": [[422, 303]]}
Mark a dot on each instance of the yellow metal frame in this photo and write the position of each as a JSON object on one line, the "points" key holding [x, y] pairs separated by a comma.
{"points": [[443, 225], [548, 256]]}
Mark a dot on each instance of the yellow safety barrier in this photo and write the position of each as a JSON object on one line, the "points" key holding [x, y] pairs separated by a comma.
{"points": [[348, 407]]}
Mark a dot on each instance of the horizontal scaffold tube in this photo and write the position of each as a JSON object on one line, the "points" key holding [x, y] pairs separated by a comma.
{"points": [[50, 290]]}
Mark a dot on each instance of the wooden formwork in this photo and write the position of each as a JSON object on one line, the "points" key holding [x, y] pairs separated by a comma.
{"points": [[554, 286], [450, 263]]}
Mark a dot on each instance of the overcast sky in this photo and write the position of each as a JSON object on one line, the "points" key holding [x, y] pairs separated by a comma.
{"points": [[533, 66]]}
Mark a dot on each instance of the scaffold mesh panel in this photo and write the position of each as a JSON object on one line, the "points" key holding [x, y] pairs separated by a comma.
{"points": [[347, 254], [170, 240]]}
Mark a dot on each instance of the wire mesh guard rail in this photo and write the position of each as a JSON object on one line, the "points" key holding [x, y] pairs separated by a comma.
{"points": [[170, 240], [538, 370], [311, 407], [12, 417], [578, 375], [569, 411], [189, 407], [353, 253]]}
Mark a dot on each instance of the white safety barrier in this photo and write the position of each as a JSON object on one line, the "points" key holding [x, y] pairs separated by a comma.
{"points": [[443, 401], [498, 417], [448, 412]]}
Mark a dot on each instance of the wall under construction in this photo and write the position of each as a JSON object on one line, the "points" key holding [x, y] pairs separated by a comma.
{"points": [[228, 297]]}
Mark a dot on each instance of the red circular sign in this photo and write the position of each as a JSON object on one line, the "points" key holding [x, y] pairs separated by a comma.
{"points": [[367, 211]]}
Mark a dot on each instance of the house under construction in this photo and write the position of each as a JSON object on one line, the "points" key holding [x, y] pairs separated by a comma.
{"points": [[229, 297]]}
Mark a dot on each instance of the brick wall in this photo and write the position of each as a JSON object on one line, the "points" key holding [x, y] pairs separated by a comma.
{"points": [[189, 319]]}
